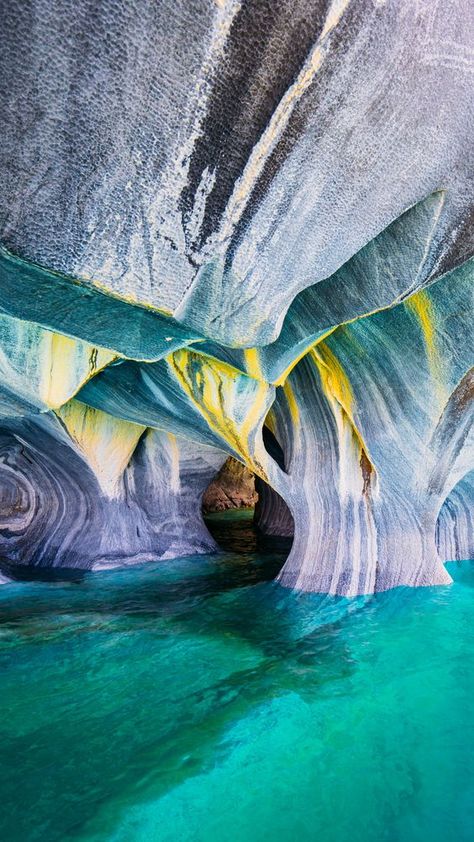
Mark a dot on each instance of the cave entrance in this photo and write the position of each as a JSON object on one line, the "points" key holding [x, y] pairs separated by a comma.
{"points": [[243, 513]]}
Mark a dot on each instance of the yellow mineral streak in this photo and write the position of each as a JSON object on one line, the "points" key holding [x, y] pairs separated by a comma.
{"points": [[292, 403], [421, 305], [106, 443], [312, 344], [252, 421], [334, 15], [174, 460], [252, 363], [213, 389], [334, 380], [338, 391], [270, 422], [66, 364]]}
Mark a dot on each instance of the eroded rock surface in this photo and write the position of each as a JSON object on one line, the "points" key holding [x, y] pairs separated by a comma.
{"points": [[232, 488], [238, 230]]}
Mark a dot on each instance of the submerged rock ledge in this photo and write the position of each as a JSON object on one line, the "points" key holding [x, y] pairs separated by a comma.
{"points": [[239, 229]]}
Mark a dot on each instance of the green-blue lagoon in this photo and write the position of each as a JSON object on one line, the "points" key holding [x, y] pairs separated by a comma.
{"points": [[198, 701]]}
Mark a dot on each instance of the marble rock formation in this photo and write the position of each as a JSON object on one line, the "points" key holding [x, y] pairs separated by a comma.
{"points": [[238, 229], [232, 488]]}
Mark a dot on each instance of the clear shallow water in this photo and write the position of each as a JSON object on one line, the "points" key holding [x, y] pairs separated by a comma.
{"points": [[197, 700]]}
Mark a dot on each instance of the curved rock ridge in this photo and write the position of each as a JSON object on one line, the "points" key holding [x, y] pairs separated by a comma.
{"points": [[272, 515], [40, 369], [85, 490], [455, 524], [240, 230], [84, 310], [215, 159], [382, 430]]}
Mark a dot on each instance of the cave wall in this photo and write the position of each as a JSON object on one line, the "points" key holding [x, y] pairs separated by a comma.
{"points": [[238, 230], [455, 524], [82, 489], [232, 488]]}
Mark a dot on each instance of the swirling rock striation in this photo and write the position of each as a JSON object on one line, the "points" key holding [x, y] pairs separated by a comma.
{"points": [[455, 524], [77, 498], [238, 229]]}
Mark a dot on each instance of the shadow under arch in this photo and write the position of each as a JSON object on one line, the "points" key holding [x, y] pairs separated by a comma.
{"points": [[253, 523], [455, 523]]}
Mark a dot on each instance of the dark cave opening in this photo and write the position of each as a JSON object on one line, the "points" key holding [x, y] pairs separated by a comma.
{"points": [[243, 513]]}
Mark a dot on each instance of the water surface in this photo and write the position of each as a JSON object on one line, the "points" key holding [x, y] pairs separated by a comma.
{"points": [[197, 700]]}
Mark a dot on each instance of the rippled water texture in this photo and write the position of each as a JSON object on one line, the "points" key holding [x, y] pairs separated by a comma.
{"points": [[196, 700]]}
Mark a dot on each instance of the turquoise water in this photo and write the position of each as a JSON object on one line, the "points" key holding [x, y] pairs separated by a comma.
{"points": [[197, 700]]}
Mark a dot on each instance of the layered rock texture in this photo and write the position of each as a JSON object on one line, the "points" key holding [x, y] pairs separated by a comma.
{"points": [[238, 229], [232, 488]]}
